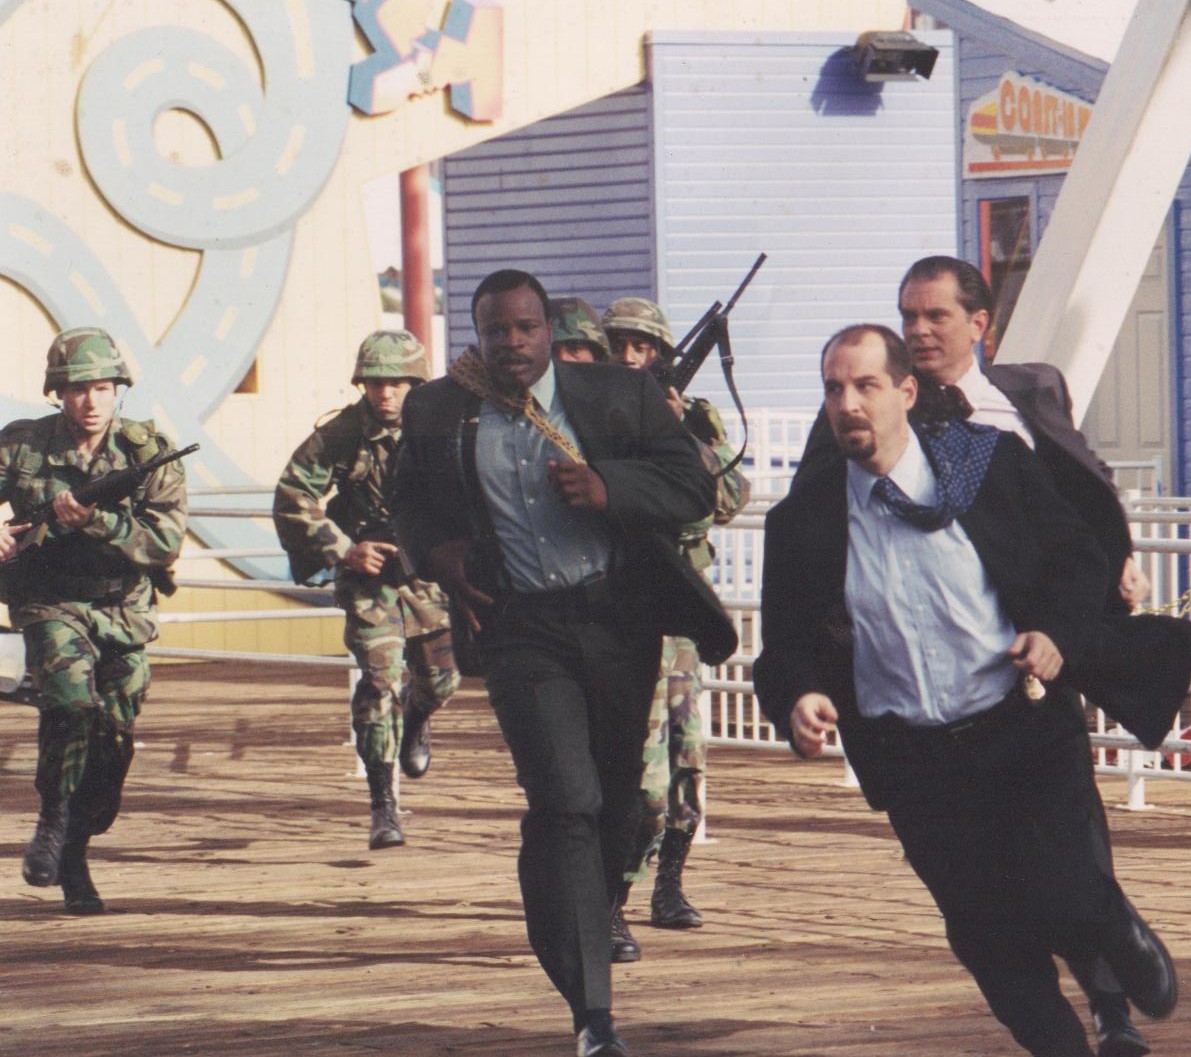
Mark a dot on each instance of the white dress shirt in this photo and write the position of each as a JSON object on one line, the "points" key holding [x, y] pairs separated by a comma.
{"points": [[991, 407]]}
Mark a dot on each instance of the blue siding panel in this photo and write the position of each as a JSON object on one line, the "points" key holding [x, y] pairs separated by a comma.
{"points": [[777, 146], [569, 199], [670, 190]]}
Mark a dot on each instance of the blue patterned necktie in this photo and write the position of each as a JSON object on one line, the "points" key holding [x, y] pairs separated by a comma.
{"points": [[959, 453], [927, 518]]}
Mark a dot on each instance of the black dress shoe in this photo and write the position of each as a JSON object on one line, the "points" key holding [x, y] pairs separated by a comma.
{"points": [[1142, 965], [414, 753], [601, 1041], [1118, 1036]]}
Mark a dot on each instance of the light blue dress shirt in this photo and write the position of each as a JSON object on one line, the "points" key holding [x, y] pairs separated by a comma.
{"points": [[546, 544], [931, 638]]}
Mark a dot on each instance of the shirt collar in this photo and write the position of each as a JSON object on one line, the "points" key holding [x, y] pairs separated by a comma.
{"points": [[911, 473], [974, 384], [543, 389]]}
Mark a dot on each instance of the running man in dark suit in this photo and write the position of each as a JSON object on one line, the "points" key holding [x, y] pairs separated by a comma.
{"points": [[869, 563], [521, 484], [946, 307]]}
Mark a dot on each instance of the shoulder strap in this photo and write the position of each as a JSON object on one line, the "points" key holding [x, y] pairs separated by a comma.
{"points": [[723, 344]]}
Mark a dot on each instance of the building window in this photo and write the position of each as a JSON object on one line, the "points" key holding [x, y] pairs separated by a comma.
{"points": [[1006, 250]]}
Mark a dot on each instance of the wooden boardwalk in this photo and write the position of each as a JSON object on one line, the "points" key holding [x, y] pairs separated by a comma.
{"points": [[248, 917]]}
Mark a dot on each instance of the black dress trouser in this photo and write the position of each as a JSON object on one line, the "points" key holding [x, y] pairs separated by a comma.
{"points": [[1002, 821], [571, 691]]}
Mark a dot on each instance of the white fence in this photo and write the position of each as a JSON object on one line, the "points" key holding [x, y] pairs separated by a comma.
{"points": [[731, 712], [776, 441]]}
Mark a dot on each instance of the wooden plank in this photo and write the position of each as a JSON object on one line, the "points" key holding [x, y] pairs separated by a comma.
{"points": [[248, 917]]}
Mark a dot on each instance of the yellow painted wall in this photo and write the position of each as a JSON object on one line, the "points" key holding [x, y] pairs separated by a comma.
{"points": [[558, 55]]}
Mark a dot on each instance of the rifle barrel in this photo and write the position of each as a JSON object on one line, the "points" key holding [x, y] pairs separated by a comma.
{"points": [[761, 258]]}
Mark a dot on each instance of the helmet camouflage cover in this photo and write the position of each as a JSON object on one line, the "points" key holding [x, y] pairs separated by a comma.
{"points": [[573, 319], [83, 354], [391, 354], [639, 314]]}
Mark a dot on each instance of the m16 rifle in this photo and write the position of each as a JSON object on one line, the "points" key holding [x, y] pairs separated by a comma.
{"points": [[110, 488], [711, 332]]}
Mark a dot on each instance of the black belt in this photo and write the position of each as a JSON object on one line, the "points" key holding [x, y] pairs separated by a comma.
{"points": [[590, 599], [964, 731]]}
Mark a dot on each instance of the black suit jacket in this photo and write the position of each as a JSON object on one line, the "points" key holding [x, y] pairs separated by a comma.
{"points": [[1044, 564], [650, 464], [1039, 393]]}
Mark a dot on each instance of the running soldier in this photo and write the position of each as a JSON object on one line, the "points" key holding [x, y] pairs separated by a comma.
{"points": [[392, 620], [676, 747], [85, 596]]}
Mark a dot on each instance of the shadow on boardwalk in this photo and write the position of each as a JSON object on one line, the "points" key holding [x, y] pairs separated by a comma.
{"points": [[249, 918]]}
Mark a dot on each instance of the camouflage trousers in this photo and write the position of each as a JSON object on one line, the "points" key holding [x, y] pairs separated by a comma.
{"points": [[401, 639], [91, 673], [675, 755]]}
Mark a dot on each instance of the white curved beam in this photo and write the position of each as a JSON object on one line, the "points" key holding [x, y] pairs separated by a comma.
{"points": [[1112, 205]]}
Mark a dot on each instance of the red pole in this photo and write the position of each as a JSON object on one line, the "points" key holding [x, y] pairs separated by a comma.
{"points": [[417, 271]]}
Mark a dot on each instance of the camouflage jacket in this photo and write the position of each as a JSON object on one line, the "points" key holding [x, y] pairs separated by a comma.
{"points": [[122, 544], [352, 454], [731, 489]]}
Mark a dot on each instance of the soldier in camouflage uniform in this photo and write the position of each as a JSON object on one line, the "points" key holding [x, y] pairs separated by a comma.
{"points": [[85, 597], [676, 747], [392, 620], [575, 332]]}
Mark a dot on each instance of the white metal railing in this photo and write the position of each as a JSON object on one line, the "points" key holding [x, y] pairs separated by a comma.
{"points": [[1160, 527], [731, 713]]}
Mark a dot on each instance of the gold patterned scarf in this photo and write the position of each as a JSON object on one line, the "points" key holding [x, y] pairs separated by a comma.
{"points": [[471, 372]]}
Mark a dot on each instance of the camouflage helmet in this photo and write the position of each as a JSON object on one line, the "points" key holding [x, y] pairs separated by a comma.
{"points": [[645, 317], [573, 319], [391, 354], [83, 354]]}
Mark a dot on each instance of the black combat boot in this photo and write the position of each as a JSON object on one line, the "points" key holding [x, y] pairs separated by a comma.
{"points": [[78, 890], [43, 856], [669, 908], [414, 754], [624, 947], [386, 830]]}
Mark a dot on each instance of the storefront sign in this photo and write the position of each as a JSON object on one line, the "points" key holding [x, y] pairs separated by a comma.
{"points": [[1023, 127]]}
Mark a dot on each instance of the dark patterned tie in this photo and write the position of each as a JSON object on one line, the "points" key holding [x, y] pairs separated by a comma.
{"points": [[959, 455], [927, 518], [955, 403]]}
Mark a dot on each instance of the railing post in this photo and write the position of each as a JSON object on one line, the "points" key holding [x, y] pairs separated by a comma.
{"points": [[1136, 781], [849, 780]]}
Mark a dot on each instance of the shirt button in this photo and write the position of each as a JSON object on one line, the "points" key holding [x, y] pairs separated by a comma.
{"points": [[532, 501], [541, 539], [552, 577], [524, 462]]}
